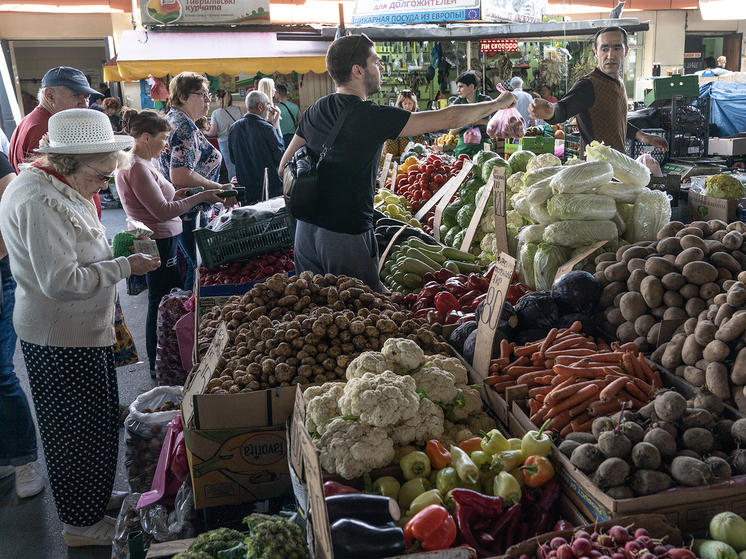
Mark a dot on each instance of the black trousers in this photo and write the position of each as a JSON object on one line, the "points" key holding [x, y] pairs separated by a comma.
{"points": [[160, 283]]}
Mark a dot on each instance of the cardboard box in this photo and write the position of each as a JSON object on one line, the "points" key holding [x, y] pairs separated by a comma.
{"points": [[236, 443], [703, 207], [727, 146], [689, 508]]}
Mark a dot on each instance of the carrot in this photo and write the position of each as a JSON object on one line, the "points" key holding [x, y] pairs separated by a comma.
{"points": [[530, 378], [631, 347], [498, 364], [494, 379], [581, 425], [613, 389], [583, 406], [522, 370], [548, 341], [627, 397], [567, 343], [526, 350], [653, 377], [539, 416], [635, 391], [501, 386], [505, 349], [578, 397], [578, 351], [566, 430], [533, 406], [568, 391], [645, 387], [575, 326], [557, 380], [613, 357], [540, 398], [580, 372], [631, 365], [559, 421], [565, 382], [615, 346], [545, 380], [599, 408], [612, 370], [602, 345], [520, 362]]}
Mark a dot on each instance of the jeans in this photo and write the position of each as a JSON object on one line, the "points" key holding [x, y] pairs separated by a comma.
{"points": [[160, 283], [229, 165], [189, 221], [17, 431]]}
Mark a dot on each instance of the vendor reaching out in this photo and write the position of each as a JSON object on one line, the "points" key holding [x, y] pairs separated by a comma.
{"points": [[339, 239], [599, 99]]}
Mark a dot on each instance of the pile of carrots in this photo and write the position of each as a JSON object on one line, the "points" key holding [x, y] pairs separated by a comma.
{"points": [[572, 378]]}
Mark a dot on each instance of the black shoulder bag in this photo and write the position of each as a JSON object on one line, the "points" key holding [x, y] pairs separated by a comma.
{"points": [[300, 182]]}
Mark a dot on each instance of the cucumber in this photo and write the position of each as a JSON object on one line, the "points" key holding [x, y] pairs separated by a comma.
{"points": [[415, 266], [466, 267], [412, 280], [455, 254], [433, 265], [452, 266]]}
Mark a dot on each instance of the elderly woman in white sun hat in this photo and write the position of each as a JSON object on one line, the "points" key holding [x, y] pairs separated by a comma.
{"points": [[64, 312]]}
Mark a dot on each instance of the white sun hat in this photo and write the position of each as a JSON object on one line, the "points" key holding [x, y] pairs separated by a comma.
{"points": [[77, 131]]}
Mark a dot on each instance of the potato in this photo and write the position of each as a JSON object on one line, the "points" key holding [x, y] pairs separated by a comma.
{"points": [[699, 273], [652, 335], [636, 264], [617, 299], [717, 236], [673, 281], [691, 351], [725, 286], [732, 328], [670, 229], [694, 376], [736, 295], [634, 252], [670, 245], [690, 325], [652, 291], [691, 232], [694, 306], [632, 305], [635, 279], [672, 355], [670, 257], [716, 380], [625, 332], [605, 257], [740, 256], [713, 247], [732, 240], [739, 397], [613, 316], [658, 312], [725, 260], [701, 225], [717, 225], [738, 372], [704, 333], [736, 226], [672, 299], [723, 313], [716, 351], [689, 290], [644, 323], [658, 266], [617, 272], [709, 290], [691, 254], [609, 292], [657, 355], [675, 313], [601, 279]]}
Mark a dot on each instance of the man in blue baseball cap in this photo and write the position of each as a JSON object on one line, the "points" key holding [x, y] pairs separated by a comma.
{"points": [[61, 88]]}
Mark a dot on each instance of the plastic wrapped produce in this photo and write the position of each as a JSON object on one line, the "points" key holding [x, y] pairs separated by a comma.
{"points": [[626, 169], [621, 192], [548, 258], [539, 192], [581, 206], [652, 211], [515, 182], [582, 177], [522, 205], [621, 224], [578, 233], [531, 234], [144, 430], [526, 263], [540, 215], [531, 178], [168, 365], [543, 160]]}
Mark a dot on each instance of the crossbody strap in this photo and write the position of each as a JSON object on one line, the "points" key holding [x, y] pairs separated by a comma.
{"points": [[337, 127], [289, 111]]}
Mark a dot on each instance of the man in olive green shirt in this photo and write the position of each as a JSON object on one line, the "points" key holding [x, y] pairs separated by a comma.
{"points": [[289, 114]]}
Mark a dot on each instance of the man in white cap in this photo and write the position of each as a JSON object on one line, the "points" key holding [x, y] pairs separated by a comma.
{"points": [[61, 88], [524, 99]]}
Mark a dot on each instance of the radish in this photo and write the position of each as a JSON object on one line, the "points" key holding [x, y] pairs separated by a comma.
{"points": [[648, 555], [618, 555], [619, 534], [565, 552], [660, 550], [632, 549], [556, 542], [680, 553], [581, 546], [605, 540], [582, 534]]}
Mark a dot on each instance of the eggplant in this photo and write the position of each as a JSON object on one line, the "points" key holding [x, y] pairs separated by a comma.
{"points": [[377, 214], [389, 221], [353, 539], [375, 509]]}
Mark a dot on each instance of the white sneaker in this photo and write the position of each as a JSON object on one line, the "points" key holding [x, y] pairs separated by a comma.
{"points": [[28, 480], [101, 533], [6, 471]]}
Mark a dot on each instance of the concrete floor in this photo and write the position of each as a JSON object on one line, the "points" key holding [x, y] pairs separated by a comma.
{"points": [[30, 528]]}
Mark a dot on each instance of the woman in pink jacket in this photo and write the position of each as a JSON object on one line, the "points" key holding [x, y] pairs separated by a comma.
{"points": [[151, 199]]}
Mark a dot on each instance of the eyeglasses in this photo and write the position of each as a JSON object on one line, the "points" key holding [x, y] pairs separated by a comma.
{"points": [[103, 177]]}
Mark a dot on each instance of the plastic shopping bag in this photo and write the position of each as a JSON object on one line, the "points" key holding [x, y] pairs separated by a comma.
{"points": [[506, 123], [472, 136]]}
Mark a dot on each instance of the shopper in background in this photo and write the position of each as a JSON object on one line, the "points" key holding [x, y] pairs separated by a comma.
{"points": [[599, 99], [340, 239], [289, 114], [220, 123], [256, 145], [189, 159], [546, 93], [4, 144], [712, 68], [722, 61], [524, 99], [148, 197], [17, 431], [112, 107], [408, 101], [64, 313], [267, 86], [468, 92]]}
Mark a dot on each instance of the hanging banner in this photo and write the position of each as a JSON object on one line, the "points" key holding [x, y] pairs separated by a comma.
{"points": [[392, 12], [518, 11], [203, 12]]}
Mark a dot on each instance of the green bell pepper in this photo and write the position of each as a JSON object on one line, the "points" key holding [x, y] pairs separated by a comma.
{"points": [[482, 460], [410, 490], [465, 468], [536, 443], [431, 497], [515, 444], [388, 486], [446, 479], [415, 464]]}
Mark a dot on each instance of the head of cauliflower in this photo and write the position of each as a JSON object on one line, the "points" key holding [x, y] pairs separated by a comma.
{"points": [[380, 400]]}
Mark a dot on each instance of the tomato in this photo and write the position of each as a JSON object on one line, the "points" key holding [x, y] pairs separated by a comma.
{"points": [[462, 157], [426, 195], [429, 168], [438, 178]]}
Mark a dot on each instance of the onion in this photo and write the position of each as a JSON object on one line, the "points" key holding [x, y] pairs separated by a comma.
{"points": [[620, 534], [565, 552], [680, 553], [641, 532], [556, 542], [581, 546], [632, 549]]}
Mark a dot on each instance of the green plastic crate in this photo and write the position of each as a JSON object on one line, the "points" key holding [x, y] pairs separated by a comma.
{"points": [[537, 144], [672, 86], [245, 240]]}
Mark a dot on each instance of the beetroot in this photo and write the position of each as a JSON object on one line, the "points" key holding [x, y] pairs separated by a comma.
{"points": [[556, 542], [565, 552], [618, 555], [619, 534], [581, 547], [632, 549], [660, 549], [641, 532], [605, 540], [582, 534], [680, 553], [648, 555]]}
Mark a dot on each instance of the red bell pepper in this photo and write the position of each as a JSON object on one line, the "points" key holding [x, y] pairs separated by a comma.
{"points": [[455, 286], [453, 317], [446, 302], [421, 303], [475, 302], [468, 317], [334, 488], [410, 299], [476, 282], [466, 299], [435, 317], [515, 292], [438, 454], [423, 313], [433, 528], [443, 274], [429, 290], [490, 272], [428, 276]]}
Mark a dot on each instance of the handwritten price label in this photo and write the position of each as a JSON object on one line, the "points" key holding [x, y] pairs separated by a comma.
{"points": [[493, 308]]}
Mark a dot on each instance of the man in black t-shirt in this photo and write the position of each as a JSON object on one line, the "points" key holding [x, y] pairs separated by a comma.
{"points": [[340, 239]]}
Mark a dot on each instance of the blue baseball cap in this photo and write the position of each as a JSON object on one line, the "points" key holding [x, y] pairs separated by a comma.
{"points": [[70, 78]]}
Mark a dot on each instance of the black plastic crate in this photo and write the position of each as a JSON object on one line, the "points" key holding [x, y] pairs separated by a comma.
{"points": [[635, 148]]}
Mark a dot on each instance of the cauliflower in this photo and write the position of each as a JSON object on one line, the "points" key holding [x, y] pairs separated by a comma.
{"points": [[403, 352], [725, 186], [367, 362], [543, 160], [321, 405], [380, 400], [489, 243], [454, 433], [480, 422], [211, 542], [352, 448], [469, 402], [438, 385], [451, 364], [426, 425], [487, 223]]}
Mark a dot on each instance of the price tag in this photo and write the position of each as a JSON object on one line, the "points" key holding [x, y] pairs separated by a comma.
{"points": [[322, 535], [570, 264], [453, 185], [493, 308], [384, 170], [450, 187], [394, 171], [391, 244]]}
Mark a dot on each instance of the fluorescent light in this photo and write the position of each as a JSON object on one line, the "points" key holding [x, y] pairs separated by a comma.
{"points": [[59, 9], [722, 9]]}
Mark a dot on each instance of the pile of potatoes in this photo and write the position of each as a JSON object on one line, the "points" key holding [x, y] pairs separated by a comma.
{"points": [[668, 442], [312, 343]]}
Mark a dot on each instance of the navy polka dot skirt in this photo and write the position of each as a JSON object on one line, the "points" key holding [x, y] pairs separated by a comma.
{"points": [[77, 408]]}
